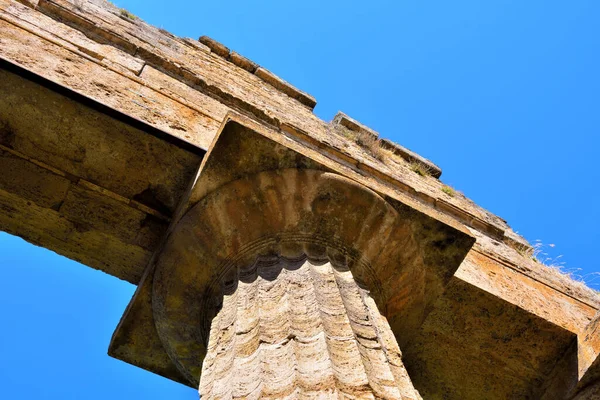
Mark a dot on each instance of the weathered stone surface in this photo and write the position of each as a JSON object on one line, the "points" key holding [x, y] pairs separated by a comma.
{"points": [[249, 211], [29, 3], [31, 182], [82, 183], [576, 375], [92, 210], [138, 343], [188, 95], [88, 75], [243, 62], [352, 124], [301, 327], [411, 157], [214, 46], [360, 130], [47, 228], [219, 80], [589, 393], [589, 352], [474, 345], [285, 87], [294, 209], [502, 280], [84, 143], [98, 176]]}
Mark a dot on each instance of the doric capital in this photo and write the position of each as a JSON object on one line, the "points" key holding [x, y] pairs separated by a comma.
{"points": [[278, 258]]}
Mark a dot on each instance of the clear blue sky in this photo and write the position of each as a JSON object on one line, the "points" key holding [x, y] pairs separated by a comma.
{"points": [[503, 95]]}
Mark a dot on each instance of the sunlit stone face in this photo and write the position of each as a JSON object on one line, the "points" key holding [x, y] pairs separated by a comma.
{"points": [[301, 327]]}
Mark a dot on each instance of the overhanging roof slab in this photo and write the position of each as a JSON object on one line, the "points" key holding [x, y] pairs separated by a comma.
{"points": [[83, 179]]}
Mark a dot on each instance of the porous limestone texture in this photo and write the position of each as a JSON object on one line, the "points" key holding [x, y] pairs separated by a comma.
{"points": [[301, 327], [161, 160]]}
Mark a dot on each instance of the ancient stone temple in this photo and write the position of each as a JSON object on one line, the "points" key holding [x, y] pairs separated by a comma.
{"points": [[275, 255]]}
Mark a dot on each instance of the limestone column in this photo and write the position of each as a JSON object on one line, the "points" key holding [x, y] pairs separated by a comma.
{"points": [[301, 328], [297, 283]]}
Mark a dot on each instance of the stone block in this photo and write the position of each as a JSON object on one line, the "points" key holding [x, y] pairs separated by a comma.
{"points": [[31, 182], [214, 46], [93, 211], [243, 62], [286, 88]]}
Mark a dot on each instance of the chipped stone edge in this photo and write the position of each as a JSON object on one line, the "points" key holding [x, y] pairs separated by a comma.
{"points": [[342, 119], [492, 230], [264, 74], [352, 124]]}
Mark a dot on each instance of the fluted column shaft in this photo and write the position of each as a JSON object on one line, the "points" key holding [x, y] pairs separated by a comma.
{"points": [[301, 328]]}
